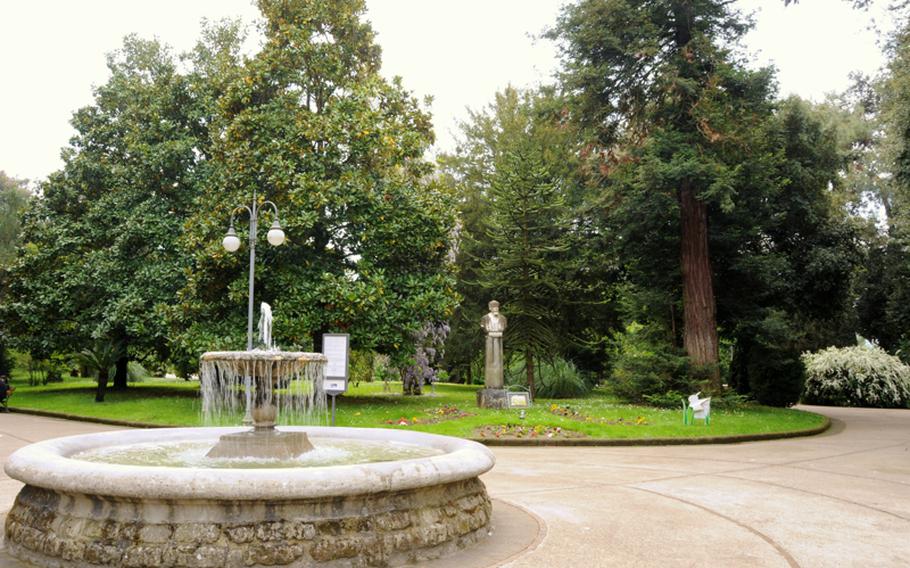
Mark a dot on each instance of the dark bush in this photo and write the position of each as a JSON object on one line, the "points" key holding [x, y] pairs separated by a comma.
{"points": [[6, 362], [645, 364], [766, 363]]}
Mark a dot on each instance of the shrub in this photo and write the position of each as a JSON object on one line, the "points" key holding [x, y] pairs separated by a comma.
{"points": [[136, 373], [561, 380], [552, 379], [669, 399], [856, 376], [728, 399], [766, 362], [645, 364], [361, 366], [6, 362]]}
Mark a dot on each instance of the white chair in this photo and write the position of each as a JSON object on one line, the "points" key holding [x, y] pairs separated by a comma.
{"points": [[701, 409]]}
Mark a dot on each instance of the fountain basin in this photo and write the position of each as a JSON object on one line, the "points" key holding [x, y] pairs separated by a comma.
{"points": [[76, 513]]}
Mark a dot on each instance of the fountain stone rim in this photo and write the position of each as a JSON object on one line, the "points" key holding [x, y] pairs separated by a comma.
{"points": [[47, 464], [264, 355]]}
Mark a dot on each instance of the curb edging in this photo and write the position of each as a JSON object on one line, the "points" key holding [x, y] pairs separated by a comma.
{"points": [[78, 418]]}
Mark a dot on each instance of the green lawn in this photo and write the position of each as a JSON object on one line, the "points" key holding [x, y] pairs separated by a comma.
{"points": [[450, 410]]}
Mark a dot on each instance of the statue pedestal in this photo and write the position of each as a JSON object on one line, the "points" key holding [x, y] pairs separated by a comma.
{"points": [[493, 398]]}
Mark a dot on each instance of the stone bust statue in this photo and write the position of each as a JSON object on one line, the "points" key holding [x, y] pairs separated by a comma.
{"points": [[494, 323]]}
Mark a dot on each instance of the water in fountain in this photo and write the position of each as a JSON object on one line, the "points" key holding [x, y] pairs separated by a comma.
{"points": [[194, 453]]}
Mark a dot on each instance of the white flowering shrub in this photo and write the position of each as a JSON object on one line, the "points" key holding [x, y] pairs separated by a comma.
{"points": [[856, 376]]}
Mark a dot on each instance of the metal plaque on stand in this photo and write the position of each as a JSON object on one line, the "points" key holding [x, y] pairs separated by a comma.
{"points": [[520, 399]]}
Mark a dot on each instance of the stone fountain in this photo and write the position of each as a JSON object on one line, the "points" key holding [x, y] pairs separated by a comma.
{"points": [[282, 383], [231, 497], [272, 383]]}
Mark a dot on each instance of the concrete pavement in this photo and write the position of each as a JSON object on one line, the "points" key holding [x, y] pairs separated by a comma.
{"points": [[838, 499]]}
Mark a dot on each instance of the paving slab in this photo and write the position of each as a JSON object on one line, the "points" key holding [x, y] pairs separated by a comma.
{"points": [[838, 499]]}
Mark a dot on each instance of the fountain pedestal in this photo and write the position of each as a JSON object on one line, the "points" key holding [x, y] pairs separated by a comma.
{"points": [[272, 372], [262, 444]]}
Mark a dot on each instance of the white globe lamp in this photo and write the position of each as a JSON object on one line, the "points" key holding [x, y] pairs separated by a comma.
{"points": [[231, 241], [276, 234]]}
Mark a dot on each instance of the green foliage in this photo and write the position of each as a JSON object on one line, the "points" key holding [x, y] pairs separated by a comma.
{"points": [[556, 378], [527, 229], [856, 376], [310, 124], [645, 365], [561, 379], [136, 373], [55, 367], [99, 257], [517, 239], [124, 245], [726, 399], [532, 125], [101, 360], [6, 361], [882, 307], [673, 119], [669, 399], [884, 303], [361, 366], [667, 104], [14, 197], [766, 362], [382, 370]]}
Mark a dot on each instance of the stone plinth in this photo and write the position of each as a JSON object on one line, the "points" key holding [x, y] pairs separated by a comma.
{"points": [[493, 398], [262, 444]]}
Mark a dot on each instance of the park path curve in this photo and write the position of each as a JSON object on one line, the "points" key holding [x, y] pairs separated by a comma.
{"points": [[838, 499]]}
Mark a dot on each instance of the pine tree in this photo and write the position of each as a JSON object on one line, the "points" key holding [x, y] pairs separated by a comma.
{"points": [[529, 233]]}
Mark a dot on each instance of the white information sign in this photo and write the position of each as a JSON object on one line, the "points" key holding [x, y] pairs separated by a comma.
{"points": [[335, 348]]}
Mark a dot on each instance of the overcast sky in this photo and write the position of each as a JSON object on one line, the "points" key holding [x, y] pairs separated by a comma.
{"points": [[459, 52]]}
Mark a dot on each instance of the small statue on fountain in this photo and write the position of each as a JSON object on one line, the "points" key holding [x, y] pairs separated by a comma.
{"points": [[265, 326]]}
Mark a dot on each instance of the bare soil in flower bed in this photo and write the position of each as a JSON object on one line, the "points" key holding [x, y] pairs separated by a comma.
{"points": [[525, 432]]}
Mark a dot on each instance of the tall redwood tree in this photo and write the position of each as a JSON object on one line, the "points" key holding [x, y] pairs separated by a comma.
{"points": [[664, 100]]}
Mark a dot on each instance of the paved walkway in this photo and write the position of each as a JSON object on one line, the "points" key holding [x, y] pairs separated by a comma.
{"points": [[839, 499]]}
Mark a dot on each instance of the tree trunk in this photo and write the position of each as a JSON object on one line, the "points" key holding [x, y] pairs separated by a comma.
{"points": [[121, 375], [529, 368], [699, 318], [102, 384], [410, 384]]}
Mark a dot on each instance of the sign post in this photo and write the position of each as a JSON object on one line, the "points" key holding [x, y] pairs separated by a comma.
{"points": [[336, 348]]}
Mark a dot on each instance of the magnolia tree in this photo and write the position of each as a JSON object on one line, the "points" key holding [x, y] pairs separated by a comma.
{"points": [[310, 124]]}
